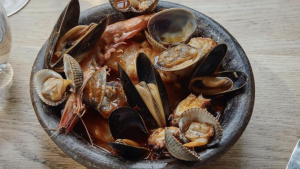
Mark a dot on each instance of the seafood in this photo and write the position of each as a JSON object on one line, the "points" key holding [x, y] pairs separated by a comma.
{"points": [[180, 61], [126, 56], [126, 125], [218, 83], [75, 41], [51, 87], [157, 138], [54, 89], [114, 98], [73, 72], [199, 134], [115, 35], [93, 93], [190, 102], [140, 62], [177, 150], [200, 128], [134, 6], [150, 94], [171, 27]]}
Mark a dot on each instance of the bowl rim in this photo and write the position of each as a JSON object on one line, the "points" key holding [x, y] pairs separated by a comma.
{"points": [[80, 149]]}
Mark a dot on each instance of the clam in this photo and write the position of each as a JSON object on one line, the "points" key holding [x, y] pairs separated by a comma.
{"points": [[180, 61], [218, 83], [72, 39], [128, 128], [51, 87], [149, 95], [94, 90], [191, 101], [114, 97], [177, 150], [171, 27], [200, 128], [134, 6], [73, 72]]}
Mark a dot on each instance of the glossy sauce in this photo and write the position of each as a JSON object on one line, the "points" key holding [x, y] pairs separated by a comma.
{"points": [[122, 4]]}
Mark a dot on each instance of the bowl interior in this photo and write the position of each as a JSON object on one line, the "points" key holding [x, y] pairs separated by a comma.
{"points": [[235, 118]]}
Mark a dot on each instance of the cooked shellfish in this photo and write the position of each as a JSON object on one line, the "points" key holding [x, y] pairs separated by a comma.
{"points": [[200, 128], [51, 87], [134, 6]]}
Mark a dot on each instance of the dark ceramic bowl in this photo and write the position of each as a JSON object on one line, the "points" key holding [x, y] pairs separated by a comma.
{"points": [[235, 118]]}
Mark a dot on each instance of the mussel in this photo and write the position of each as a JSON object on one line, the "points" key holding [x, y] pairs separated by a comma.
{"points": [[218, 83], [170, 27], [128, 129], [149, 95], [134, 6], [68, 38], [67, 20], [200, 128]]}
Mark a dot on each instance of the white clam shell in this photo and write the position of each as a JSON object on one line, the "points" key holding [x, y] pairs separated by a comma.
{"points": [[39, 78], [202, 116]]}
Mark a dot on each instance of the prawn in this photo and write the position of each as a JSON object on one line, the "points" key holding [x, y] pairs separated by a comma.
{"points": [[115, 35]]}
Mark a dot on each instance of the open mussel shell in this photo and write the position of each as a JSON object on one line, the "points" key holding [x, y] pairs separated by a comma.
{"points": [[211, 62], [94, 90], [125, 6], [147, 73], [201, 116], [148, 77], [125, 122], [83, 45], [218, 83], [39, 79], [172, 26], [73, 72], [67, 20], [177, 150], [129, 152]]}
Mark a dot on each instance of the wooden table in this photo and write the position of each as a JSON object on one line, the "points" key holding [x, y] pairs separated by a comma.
{"points": [[267, 30]]}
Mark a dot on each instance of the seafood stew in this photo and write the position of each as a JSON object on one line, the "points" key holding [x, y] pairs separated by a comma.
{"points": [[135, 80]]}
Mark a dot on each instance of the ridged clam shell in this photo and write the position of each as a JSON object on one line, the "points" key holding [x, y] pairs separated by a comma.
{"points": [[132, 9], [178, 150], [73, 72], [201, 115], [39, 78], [157, 46]]}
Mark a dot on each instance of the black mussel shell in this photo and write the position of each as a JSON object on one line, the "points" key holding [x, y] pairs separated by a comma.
{"points": [[126, 123], [148, 73], [129, 152], [237, 80], [67, 20], [134, 99], [85, 44], [211, 61]]}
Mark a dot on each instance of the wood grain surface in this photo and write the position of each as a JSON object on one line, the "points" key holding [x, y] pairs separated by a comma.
{"points": [[267, 30]]}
